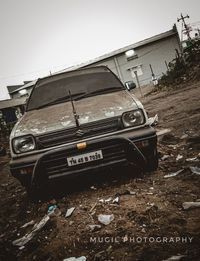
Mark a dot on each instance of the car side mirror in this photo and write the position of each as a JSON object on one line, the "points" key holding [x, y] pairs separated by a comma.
{"points": [[130, 85]]}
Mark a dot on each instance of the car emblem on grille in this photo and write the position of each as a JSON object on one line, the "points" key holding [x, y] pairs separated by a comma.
{"points": [[80, 133]]}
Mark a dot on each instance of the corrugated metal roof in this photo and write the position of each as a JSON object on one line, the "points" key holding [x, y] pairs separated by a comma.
{"points": [[12, 88], [25, 86], [12, 102]]}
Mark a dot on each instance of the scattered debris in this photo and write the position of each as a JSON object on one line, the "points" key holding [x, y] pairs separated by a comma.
{"points": [[164, 157], [94, 227], [25, 239], [184, 136], [55, 212], [51, 208], [28, 224], [93, 188], [173, 174], [195, 170], [126, 192], [93, 207], [153, 120], [105, 219], [192, 159], [81, 258], [179, 157], [116, 200], [107, 200], [132, 193], [174, 147], [175, 258], [69, 212], [190, 205], [150, 204], [149, 193]]}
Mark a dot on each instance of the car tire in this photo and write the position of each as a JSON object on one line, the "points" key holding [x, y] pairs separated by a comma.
{"points": [[152, 162], [36, 193]]}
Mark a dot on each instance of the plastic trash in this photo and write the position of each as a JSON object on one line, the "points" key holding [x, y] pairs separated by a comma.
{"points": [[51, 208], [94, 227], [195, 170], [190, 205], [69, 212], [105, 219], [192, 159], [116, 200], [108, 200], [175, 258], [93, 188], [164, 157], [105, 200], [28, 224], [25, 239], [81, 258], [179, 157], [153, 120], [173, 174]]}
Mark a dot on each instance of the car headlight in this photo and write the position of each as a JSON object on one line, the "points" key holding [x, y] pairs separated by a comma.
{"points": [[133, 118], [23, 144]]}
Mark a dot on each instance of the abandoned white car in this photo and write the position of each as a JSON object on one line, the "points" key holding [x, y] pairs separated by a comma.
{"points": [[80, 121]]}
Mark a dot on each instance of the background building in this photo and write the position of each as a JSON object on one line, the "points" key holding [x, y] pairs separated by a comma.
{"points": [[149, 58]]}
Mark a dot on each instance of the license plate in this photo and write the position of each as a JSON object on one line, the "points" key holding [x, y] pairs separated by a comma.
{"points": [[84, 158]]}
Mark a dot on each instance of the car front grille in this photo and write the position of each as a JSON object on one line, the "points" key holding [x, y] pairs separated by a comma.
{"points": [[75, 134], [55, 163]]}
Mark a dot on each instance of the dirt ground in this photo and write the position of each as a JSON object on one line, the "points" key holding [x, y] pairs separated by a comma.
{"points": [[149, 220]]}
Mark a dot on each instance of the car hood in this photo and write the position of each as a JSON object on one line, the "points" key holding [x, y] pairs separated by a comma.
{"points": [[60, 116]]}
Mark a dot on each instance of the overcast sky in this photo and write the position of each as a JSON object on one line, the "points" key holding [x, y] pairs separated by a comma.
{"points": [[38, 36]]}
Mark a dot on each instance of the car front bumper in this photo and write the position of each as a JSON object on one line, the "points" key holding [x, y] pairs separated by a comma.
{"points": [[131, 147]]}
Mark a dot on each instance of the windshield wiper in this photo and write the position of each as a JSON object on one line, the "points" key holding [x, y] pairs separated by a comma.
{"points": [[64, 98], [76, 116], [100, 91]]}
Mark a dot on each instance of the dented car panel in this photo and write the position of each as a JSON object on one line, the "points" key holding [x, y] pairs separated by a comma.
{"points": [[98, 124], [60, 116]]}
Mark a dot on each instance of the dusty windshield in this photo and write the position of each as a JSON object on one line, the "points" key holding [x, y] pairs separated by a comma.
{"points": [[80, 83]]}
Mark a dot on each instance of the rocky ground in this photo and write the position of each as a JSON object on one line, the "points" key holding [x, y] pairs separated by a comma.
{"points": [[150, 222]]}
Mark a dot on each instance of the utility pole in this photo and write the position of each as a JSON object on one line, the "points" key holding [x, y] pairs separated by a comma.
{"points": [[185, 25]]}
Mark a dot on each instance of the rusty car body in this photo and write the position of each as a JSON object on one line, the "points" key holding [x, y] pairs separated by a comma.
{"points": [[80, 121]]}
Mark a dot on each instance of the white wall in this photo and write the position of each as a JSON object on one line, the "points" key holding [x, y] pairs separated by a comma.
{"points": [[155, 53]]}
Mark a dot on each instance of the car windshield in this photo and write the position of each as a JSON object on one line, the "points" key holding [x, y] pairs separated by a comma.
{"points": [[81, 83]]}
